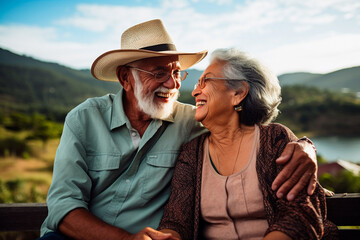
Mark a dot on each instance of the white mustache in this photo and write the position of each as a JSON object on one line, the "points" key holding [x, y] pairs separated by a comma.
{"points": [[166, 90]]}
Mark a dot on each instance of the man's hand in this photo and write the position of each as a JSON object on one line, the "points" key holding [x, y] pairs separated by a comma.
{"points": [[81, 224], [150, 233], [298, 173]]}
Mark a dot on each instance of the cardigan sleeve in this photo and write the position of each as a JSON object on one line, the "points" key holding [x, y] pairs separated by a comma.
{"points": [[302, 218], [179, 212]]}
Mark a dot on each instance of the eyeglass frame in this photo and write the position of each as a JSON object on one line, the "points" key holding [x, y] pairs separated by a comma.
{"points": [[157, 79], [198, 84]]}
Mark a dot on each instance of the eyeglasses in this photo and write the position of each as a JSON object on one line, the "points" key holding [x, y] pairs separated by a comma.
{"points": [[163, 76], [202, 81]]}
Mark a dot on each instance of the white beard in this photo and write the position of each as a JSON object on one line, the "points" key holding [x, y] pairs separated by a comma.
{"points": [[146, 100]]}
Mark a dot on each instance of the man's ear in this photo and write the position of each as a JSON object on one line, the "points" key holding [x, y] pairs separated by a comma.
{"points": [[241, 93], [123, 74]]}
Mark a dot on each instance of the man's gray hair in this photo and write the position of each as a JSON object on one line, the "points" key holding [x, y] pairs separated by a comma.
{"points": [[260, 105]]}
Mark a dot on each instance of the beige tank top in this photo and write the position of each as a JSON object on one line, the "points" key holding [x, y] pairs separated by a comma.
{"points": [[232, 206]]}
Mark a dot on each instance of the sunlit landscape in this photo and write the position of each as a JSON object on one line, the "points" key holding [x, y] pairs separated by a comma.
{"points": [[47, 48]]}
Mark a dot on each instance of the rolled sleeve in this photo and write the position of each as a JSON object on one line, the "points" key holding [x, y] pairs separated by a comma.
{"points": [[71, 184]]}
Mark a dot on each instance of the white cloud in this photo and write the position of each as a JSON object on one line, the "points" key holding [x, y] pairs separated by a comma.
{"points": [[273, 30], [41, 43], [321, 55], [100, 18]]}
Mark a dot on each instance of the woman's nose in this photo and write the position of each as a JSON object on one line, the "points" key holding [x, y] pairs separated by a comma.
{"points": [[196, 91]]}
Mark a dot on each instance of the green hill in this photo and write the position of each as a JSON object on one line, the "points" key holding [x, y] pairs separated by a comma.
{"points": [[29, 86], [343, 80], [8, 58], [299, 78]]}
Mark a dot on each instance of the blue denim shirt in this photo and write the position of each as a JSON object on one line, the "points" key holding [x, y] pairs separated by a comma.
{"points": [[99, 167]]}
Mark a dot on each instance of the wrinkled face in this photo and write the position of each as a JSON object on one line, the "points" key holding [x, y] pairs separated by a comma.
{"points": [[156, 99], [214, 102]]}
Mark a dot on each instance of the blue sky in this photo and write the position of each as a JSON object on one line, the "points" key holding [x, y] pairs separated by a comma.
{"points": [[287, 35]]}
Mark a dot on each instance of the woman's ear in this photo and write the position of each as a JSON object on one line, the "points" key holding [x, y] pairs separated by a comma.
{"points": [[241, 93], [123, 75]]}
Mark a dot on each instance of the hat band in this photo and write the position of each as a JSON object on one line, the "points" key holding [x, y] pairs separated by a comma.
{"points": [[160, 47]]}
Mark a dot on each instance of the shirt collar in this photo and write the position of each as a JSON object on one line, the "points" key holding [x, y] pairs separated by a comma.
{"points": [[170, 118], [118, 117]]}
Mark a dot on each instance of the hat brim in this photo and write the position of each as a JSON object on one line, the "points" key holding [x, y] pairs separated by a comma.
{"points": [[104, 67]]}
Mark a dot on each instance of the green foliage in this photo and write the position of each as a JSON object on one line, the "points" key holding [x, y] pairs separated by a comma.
{"points": [[20, 191], [13, 146], [15, 187], [37, 126], [343, 182], [321, 112], [321, 159], [5, 193], [186, 97], [17, 121], [43, 129]]}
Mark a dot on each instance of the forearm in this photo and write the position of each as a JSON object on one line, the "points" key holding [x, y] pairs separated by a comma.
{"points": [[81, 224], [276, 235], [300, 168]]}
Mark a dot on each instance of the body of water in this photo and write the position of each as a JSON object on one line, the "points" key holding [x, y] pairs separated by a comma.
{"points": [[334, 148]]}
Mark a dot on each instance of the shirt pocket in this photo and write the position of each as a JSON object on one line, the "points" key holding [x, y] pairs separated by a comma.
{"points": [[159, 168], [102, 168]]}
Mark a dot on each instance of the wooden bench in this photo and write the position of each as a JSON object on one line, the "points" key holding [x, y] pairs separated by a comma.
{"points": [[343, 210]]}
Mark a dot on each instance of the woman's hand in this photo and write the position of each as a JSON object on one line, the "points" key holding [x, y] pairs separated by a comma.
{"points": [[150, 233], [299, 172]]}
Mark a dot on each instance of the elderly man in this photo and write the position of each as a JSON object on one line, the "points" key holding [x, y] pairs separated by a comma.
{"points": [[117, 153]]}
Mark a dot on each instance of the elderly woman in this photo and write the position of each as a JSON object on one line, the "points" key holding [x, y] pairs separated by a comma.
{"points": [[221, 187]]}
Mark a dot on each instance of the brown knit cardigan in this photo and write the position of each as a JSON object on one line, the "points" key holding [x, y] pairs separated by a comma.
{"points": [[302, 218]]}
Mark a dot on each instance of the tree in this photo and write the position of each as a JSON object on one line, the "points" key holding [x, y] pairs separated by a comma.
{"points": [[344, 181], [44, 129]]}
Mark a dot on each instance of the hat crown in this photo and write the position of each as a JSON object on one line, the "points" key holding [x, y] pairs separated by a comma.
{"points": [[144, 35], [145, 40]]}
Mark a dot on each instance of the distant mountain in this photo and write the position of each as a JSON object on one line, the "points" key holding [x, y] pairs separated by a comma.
{"points": [[8, 58], [299, 78], [339, 81], [30, 85], [342, 80]]}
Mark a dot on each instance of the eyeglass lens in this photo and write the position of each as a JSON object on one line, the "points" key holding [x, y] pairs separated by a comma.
{"points": [[200, 83], [164, 76]]}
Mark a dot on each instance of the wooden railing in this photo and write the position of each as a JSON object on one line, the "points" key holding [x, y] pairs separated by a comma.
{"points": [[343, 210], [22, 216]]}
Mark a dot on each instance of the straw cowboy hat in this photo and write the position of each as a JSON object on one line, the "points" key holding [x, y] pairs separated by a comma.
{"points": [[145, 40]]}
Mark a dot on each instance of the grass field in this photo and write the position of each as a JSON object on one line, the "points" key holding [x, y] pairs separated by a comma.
{"points": [[28, 179]]}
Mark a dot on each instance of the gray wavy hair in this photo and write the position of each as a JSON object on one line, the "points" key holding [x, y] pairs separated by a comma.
{"points": [[260, 106]]}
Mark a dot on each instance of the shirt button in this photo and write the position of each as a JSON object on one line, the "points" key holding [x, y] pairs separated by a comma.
{"points": [[127, 181], [133, 134]]}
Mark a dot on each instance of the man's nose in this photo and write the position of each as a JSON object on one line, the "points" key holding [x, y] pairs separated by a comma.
{"points": [[171, 83]]}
